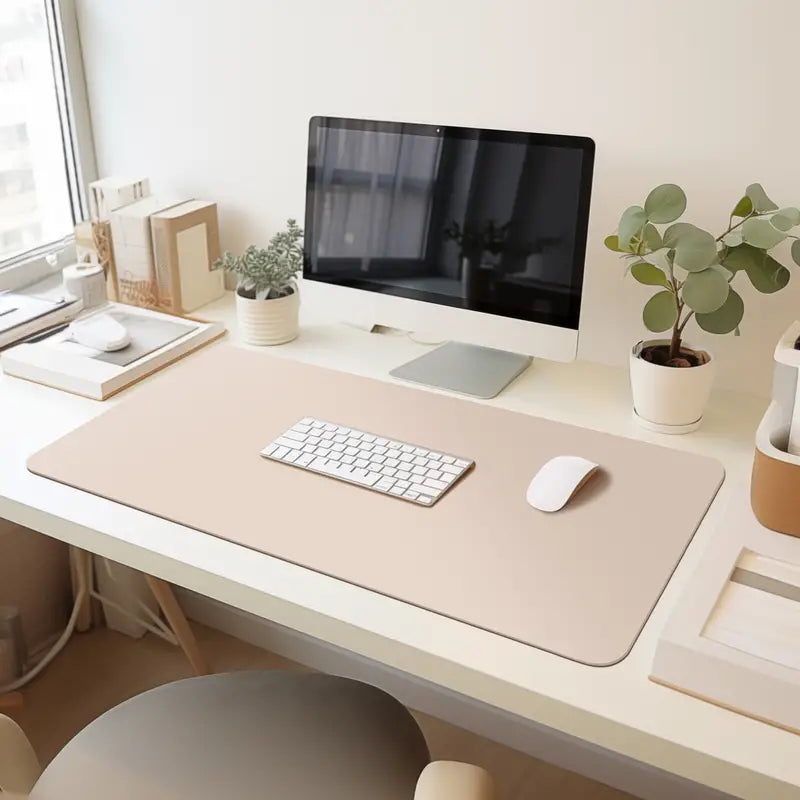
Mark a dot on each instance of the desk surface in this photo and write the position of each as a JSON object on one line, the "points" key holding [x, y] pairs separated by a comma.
{"points": [[616, 707]]}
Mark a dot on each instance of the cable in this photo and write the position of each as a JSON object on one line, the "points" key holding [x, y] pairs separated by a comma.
{"points": [[60, 643]]}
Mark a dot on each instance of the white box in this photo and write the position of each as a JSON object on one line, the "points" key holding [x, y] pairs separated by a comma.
{"points": [[130, 233], [109, 194]]}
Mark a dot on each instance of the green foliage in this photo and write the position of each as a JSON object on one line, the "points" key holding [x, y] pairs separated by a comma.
{"points": [[268, 273], [694, 269]]}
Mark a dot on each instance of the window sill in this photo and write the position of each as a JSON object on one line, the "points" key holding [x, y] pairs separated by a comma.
{"points": [[36, 267]]}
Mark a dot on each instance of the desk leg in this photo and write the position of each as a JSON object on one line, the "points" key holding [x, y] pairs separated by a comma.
{"points": [[80, 562], [177, 621]]}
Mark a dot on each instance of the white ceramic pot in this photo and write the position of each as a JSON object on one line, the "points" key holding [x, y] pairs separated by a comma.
{"points": [[669, 399], [268, 321]]}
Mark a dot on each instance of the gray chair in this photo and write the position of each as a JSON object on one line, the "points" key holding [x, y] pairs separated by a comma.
{"points": [[244, 736]]}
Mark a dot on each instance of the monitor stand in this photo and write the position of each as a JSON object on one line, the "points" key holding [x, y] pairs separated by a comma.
{"points": [[464, 368]]}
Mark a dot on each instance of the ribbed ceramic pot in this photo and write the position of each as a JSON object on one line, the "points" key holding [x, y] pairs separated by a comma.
{"points": [[268, 322]]}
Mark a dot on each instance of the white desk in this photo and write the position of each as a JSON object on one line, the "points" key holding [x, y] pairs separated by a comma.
{"points": [[616, 707]]}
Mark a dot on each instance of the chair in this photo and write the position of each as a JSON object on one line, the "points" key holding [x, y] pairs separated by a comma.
{"points": [[262, 735]]}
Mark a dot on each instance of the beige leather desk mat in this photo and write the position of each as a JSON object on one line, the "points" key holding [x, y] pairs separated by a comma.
{"points": [[580, 583]]}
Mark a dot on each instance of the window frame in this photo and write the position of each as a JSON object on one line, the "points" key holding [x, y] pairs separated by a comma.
{"points": [[77, 140]]}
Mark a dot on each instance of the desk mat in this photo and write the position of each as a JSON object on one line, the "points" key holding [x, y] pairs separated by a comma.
{"points": [[579, 583]]}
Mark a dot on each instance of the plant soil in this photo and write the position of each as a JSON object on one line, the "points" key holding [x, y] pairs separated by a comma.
{"points": [[659, 354]]}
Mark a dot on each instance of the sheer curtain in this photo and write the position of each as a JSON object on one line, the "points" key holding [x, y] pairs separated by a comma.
{"points": [[375, 194]]}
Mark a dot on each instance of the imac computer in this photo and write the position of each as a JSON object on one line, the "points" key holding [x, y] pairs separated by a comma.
{"points": [[469, 235]]}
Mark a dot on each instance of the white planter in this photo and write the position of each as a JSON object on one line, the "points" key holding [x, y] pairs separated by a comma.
{"points": [[669, 399], [268, 321]]}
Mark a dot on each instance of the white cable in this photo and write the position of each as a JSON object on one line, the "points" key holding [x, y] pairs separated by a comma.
{"points": [[59, 645]]}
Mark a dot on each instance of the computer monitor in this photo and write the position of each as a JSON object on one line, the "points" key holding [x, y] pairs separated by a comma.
{"points": [[464, 234]]}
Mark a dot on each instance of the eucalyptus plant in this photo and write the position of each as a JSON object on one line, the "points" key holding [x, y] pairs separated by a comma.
{"points": [[693, 269], [268, 273]]}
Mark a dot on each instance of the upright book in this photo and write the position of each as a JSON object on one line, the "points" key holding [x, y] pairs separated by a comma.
{"points": [[185, 245]]}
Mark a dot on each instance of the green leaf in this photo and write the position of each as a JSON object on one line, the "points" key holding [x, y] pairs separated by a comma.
{"points": [[665, 203], [761, 203], [766, 274], [786, 219], [648, 274], [705, 291], [612, 243], [760, 233], [630, 225], [660, 312], [796, 251], [695, 248], [652, 238], [733, 239], [743, 208], [659, 258], [726, 318]]}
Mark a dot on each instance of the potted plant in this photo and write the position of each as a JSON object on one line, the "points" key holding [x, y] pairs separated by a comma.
{"points": [[267, 295], [692, 271]]}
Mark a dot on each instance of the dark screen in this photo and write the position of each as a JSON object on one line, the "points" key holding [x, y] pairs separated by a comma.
{"points": [[490, 221]]}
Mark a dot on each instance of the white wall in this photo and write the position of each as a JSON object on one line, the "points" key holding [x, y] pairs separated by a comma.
{"points": [[212, 97]]}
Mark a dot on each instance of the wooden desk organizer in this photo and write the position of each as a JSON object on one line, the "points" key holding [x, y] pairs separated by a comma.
{"points": [[775, 485]]}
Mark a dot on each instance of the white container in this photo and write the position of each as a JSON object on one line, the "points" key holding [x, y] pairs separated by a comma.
{"points": [[268, 321], [669, 399], [128, 589]]}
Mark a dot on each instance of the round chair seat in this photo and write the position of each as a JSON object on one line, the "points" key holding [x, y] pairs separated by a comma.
{"points": [[245, 735]]}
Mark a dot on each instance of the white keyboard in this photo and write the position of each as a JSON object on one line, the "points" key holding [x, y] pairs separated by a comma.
{"points": [[398, 469]]}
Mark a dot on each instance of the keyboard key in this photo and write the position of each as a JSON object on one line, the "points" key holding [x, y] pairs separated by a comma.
{"points": [[422, 489], [403, 484], [368, 438], [338, 448], [392, 462], [379, 449], [434, 456], [351, 442], [322, 451], [362, 462], [407, 448], [329, 427], [461, 463], [306, 421], [385, 484], [328, 435], [317, 424], [418, 471], [280, 452], [378, 459], [291, 456], [356, 434], [367, 448], [381, 442], [407, 457], [403, 475], [396, 490], [420, 461], [269, 449], [420, 452], [448, 460], [347, 459], [451, 469], [296, 435], [334, 456], [411, 495], [314, 440], [389, 472], [435, 474], [304, 459], [393, 453], [340, 439], [424, 498], [434, 484]]}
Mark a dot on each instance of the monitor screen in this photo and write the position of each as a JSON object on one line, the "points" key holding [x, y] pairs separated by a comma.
{"points": [[484, 220]]}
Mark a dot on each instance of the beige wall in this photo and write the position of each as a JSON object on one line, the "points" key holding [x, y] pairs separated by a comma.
{"points": [[34, 576], [212, 99]]}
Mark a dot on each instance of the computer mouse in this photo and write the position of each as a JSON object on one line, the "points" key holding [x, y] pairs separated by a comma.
{"points": [[100, 332], [558, 481]]}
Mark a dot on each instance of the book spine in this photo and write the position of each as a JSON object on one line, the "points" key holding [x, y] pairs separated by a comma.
{"points": [[166, 285]]}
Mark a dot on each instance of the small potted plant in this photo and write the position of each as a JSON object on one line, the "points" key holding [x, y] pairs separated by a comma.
{"points": [[692, 271], [267, 295]]}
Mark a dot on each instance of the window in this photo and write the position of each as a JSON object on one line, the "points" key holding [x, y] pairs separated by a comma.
{"points": [[43, 120]]}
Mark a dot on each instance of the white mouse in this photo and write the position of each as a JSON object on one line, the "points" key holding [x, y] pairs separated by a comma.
{"points": [[100, 332], [558, 481]]}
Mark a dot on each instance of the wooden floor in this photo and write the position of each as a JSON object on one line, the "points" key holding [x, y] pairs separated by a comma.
{"points": [[101, 668]]}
